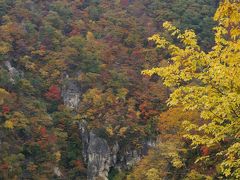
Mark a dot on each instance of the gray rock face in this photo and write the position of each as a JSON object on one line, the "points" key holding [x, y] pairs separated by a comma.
{"points": [[85, 139], [13, 72], [71, 94], [100, 156], [96, 153]]}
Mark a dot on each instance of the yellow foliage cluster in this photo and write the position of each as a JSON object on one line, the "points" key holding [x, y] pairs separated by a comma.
{"points": [[4, 47], [9, 124], [58, 156], [155, 164], [3, 95], [208, 82], [17, 119]]}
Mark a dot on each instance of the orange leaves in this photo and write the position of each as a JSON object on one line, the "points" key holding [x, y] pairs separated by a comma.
{"points": [[170, 121], [54, 93], [204, 150], [143, 106], [4, 166], [178, 114], [147, 110]]}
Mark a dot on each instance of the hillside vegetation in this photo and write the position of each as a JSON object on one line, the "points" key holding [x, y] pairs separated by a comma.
{"points": [[131, 88]]}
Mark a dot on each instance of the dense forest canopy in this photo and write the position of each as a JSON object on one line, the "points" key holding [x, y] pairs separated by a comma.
{"points": [[64, 63]]}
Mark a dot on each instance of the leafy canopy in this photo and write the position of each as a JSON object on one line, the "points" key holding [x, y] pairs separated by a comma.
{"points": [[210, 83]]}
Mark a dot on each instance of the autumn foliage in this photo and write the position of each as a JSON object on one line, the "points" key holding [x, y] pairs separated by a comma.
{"points": [[5, 109], [93, 52], [54, 93], [207, 82]]}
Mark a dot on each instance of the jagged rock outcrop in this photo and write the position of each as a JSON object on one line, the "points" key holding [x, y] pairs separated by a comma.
{"points": [[97, 153], [71, 93], [101, 157]]}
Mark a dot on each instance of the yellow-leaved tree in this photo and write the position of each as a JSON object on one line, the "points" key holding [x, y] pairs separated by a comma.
{"points": [[208, 82], [3, 95]]}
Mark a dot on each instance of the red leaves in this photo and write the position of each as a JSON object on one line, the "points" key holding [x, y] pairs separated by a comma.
{"points": [[5, 109], [124, 2], [46, 138], [43, 131], [54, 93]]}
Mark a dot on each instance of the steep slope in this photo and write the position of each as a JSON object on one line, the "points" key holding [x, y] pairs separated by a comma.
{"points": [[64, 62]]}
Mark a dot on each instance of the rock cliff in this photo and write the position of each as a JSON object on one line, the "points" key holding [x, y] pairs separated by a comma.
{"points": [[99, 155], [71, 93]]}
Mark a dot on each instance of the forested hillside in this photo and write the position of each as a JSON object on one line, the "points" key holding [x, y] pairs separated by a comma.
{"points": [[74, 103]]}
